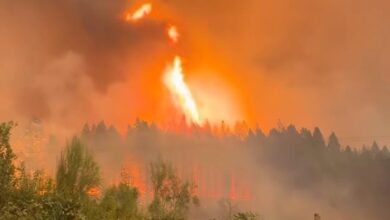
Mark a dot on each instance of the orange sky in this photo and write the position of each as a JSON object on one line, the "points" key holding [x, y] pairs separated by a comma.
{"points": [[321, 63]]}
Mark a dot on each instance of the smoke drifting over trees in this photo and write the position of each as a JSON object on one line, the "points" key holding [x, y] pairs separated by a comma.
{"points": [[287, 173], [309, 63]]}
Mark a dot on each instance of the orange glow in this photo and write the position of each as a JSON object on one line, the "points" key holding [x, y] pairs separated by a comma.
{"points": [[173, 33], [219, 96], [94, 192], [140, 13], [181, 93]]}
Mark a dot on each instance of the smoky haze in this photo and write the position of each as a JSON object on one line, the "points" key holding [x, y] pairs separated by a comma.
{"points": [[62, 62], [319, 63], [290, 173], [306, 62], [310, 63]]}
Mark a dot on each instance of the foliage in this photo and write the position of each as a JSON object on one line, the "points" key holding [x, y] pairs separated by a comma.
{"points": [[28, 196], [30, 185], [7, 169], [245, 216], [41, 207], [172, 197], [77, 172], [301, 159], [293, 155], [33, 197], [120, 202]]}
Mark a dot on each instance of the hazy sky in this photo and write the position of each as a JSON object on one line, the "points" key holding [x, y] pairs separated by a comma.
{"points": [[312, 63]]}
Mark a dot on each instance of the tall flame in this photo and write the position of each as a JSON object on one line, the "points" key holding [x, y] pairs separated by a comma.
{"points": [[140, 13], [174, 77], [174, 80]]}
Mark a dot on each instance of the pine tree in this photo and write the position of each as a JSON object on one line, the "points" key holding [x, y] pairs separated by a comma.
{"points": [[318, 138], [333, 143]]}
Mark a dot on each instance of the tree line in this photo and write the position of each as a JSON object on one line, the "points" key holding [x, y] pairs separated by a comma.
{"points": [[76, 191], [303, 159]]}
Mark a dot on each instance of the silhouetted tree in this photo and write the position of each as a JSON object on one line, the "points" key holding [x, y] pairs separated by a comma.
{"points": [[86, 132], [385, 151], [318, 138], [333, 143], [101, 128], [306, 135], [375, 150]]}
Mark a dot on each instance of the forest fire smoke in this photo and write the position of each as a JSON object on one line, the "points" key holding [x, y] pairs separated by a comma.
{"points": [[209, 183], [204, 88], [140, 13]]}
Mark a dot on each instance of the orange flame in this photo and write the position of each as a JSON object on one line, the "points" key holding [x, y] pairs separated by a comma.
{"points": [[173, 33], [94, 192], [140, 13], [180, 91], [173, 77]]}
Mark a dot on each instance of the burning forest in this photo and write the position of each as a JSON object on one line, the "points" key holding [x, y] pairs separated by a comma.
{"points": [[174, 110]]}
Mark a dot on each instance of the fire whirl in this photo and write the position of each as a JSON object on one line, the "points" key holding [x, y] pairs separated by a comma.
{"points": [[173, 77], [174, 80]]}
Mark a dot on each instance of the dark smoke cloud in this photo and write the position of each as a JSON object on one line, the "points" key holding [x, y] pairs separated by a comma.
{"points": [[305, 62], [59, 57]]}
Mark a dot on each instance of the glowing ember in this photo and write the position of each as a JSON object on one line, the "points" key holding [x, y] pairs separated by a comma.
{"points": [[94, 192], [174, 80], [140, 13], [173, 33]]}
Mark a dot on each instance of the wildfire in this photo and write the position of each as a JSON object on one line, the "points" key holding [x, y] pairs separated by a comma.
{"points": [[173, 33], [173, 77], [94, 192], [174, 80], [140, 13]]}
